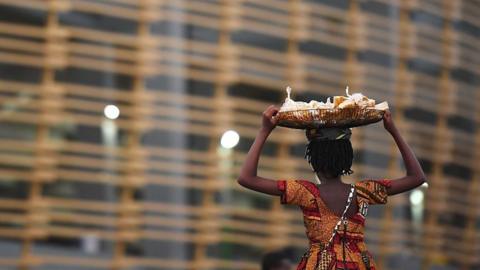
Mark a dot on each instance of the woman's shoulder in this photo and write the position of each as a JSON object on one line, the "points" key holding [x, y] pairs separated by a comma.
{"points": [[374, 191], [302, 184], [373, 183], [297, 192]]}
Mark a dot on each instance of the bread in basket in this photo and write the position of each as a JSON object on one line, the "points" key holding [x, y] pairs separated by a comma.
{"points": [[345, 111]]}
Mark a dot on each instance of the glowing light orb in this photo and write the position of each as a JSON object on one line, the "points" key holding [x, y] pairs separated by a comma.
{"points": [[416, 197], [229, 139], [111, 112]]}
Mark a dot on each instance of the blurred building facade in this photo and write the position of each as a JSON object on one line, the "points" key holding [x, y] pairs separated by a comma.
{"points": [[153, 189]]}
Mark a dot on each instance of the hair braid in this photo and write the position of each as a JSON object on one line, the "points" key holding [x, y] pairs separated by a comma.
{"points": [[333, 157]]}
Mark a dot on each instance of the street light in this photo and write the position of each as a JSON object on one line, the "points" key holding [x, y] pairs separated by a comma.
{"points": [[111, 112], [229, 139]]}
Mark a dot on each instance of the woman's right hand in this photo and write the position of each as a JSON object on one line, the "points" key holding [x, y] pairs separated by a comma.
{"points": [[388, 121], [268, 120]]}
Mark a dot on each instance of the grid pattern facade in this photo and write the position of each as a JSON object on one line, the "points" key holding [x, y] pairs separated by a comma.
{"points": [[153, 189]]}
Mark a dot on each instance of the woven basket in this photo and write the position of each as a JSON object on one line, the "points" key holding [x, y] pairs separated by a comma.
{"points": [[322, 118]]}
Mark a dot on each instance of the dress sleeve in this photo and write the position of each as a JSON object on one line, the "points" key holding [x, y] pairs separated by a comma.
{"points": [[295, 192], [373, 191]]}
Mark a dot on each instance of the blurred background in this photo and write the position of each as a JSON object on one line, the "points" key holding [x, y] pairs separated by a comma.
{"points": [[124, 123]]}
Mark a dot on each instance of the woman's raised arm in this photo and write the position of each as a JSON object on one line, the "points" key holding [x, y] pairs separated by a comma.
{"points": [[248, 175], [414, 176]]}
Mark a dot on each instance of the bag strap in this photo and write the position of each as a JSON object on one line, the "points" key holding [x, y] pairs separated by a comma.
{"points": [[343, 218]]}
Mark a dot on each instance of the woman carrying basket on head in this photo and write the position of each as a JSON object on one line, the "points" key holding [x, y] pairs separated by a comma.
{"points": [[334, 212]]}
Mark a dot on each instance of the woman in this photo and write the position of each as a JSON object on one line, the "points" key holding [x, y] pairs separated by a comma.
{"points": [[334, 212]]}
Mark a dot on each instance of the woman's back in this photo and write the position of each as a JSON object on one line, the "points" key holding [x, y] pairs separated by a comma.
{"points": [[335, 198], [322, 207]]}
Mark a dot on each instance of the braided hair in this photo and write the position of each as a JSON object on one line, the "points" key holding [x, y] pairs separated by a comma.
{"points": [[332, 157]]}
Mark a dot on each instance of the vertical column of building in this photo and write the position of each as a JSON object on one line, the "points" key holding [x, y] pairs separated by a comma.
{"points": [[129, 215], [402, 91], [433, 232], [353, 68], [470, 237], [210, 223], [297, 19], [355, 38], [49, 114]]}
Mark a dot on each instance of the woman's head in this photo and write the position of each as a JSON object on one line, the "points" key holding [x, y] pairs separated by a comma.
{"points": [[329, 151]]}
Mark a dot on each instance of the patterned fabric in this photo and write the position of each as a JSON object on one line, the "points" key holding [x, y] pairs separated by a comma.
{"points": [[319, 222]]}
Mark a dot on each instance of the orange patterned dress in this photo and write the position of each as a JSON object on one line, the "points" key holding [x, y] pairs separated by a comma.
{"points": [[348, 248]]}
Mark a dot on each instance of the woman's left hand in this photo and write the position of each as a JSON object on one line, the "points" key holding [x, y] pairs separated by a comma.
{"points": [[388, 121], [269, 121]]}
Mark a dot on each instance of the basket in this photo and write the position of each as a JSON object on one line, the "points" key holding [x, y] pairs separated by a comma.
{"points": [[323, 118]]}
